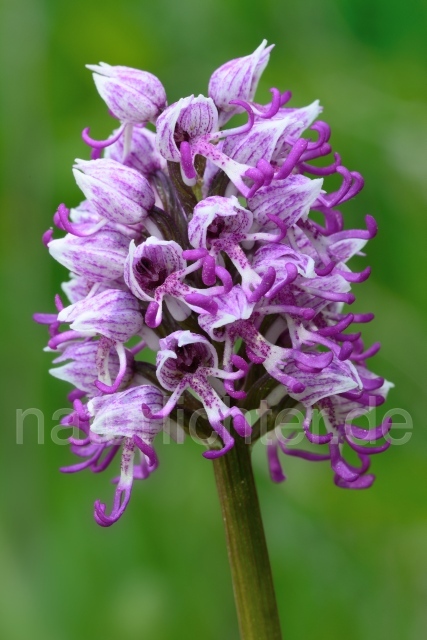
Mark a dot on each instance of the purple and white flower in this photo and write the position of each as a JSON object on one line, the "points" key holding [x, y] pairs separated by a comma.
{"points": [[154, 271], [97, 258], [117, 419], [238, 80], [186, 361], [133, 96], [82, 366], [118, 193], [199, 243]]}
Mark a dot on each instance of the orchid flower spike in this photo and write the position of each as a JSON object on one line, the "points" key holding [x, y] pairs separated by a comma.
{"points": [[222, 255]]}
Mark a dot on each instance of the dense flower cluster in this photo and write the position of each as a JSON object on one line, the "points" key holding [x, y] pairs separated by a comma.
{"points": [[200, 242]]}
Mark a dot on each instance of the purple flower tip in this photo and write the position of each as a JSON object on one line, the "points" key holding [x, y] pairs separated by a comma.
{"points": [[345, 351], [146, 411], [47, 237], [151, 314]]}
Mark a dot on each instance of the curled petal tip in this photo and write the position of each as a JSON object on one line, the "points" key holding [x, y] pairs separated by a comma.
{"points": [[274, 106], [308, 314], [285, 97], [325, 270], [62, 215], [251, 116], [257, 177], [240, 363], [345, 351], [298, 387], [387, 424], [100, 144], [229, 387], [363, 317], [100, 517], [292, 160], [280, 224], [266, 283], [147, 450], [241, 426], [146, 410], [47, 237], [105, 388], [317, 439], [194, 254], [372, 226], [266, 170], [212, 454], [362, 482], [58, 302], [203, 302], [224, 275]]}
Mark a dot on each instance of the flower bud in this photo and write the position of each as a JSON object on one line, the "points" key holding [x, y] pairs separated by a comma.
{"points": [[82, 371], [120, 414], [238, 80], [113, 314], [118, 193], [133, 96], [99, 257]]}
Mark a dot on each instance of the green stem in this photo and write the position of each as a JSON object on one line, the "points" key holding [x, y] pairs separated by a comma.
{"points": [[247, 549]]}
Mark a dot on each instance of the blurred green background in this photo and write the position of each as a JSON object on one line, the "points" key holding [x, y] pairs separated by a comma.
{"points": [[346, 564]]}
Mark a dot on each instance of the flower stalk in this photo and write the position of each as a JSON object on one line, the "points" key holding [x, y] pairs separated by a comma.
{"points": [[253, 587]]}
